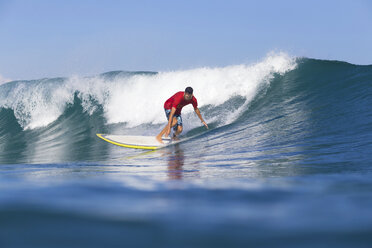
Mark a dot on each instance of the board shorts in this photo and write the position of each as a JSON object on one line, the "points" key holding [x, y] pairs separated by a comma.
{"points": [[178, 117]]}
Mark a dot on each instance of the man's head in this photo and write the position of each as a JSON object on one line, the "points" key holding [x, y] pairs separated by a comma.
{"points": [[188, 93]]}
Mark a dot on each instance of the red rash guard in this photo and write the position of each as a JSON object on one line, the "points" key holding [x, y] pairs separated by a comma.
{"points": [[177, 101]]}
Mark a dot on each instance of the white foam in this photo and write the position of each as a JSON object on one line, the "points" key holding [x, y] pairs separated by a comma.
{"points": [[36, 103], [139, 99]]}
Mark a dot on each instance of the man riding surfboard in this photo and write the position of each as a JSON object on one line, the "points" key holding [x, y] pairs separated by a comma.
{"points": [[173, 107]]}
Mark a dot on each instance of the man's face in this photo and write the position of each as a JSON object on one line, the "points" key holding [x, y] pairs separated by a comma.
{"points": [[187, 96]]}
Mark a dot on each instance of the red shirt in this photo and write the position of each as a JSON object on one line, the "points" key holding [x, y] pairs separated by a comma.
{"points": [[178, 101]]}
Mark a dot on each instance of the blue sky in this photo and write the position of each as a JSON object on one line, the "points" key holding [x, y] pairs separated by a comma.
{"points": [[43, 38]]}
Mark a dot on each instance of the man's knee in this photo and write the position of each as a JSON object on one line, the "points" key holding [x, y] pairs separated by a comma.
{"points": [[179, 129]]}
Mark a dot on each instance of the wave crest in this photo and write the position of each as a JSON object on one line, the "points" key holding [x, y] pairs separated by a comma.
{"points": [[137, 98]]}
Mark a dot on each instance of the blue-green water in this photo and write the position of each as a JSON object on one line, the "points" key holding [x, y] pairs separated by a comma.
{"points": [[286, 162]]}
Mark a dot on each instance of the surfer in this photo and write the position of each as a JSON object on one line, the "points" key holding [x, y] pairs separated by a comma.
{"points": [[173, 107]]}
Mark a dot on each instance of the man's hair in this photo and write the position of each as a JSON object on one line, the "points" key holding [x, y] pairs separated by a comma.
{"points": [[189, 90]]}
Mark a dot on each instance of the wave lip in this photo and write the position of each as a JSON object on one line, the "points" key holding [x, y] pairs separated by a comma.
{"points": [[36, 103]]}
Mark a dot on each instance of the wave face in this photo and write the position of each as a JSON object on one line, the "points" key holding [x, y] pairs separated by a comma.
{"points": [[300, 107]]}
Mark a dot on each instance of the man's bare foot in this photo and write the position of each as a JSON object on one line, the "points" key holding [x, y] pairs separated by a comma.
{"points": [[159, 139]]}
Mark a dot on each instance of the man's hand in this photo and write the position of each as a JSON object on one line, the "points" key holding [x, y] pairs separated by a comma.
{"points": [[205, 124]]}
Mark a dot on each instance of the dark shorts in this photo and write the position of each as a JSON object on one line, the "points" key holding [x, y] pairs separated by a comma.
{"points": [[178, 117]]}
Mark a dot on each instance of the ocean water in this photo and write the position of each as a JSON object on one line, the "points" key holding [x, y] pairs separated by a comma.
{"points": [[286, 161]]}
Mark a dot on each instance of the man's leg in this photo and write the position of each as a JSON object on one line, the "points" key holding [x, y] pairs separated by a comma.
{"points": [[160, 135], [179, 130]]}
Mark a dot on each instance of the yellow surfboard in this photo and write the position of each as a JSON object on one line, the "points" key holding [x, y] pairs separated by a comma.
{"points": [[137, 142]]}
